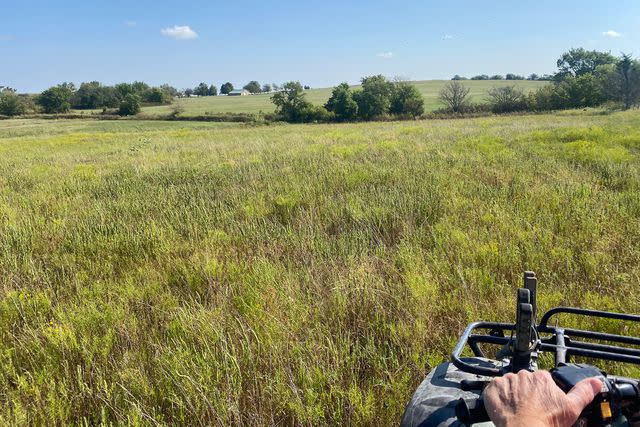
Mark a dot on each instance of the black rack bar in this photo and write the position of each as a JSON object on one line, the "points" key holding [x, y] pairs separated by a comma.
{"points": [[560, 343], [588, 312]]}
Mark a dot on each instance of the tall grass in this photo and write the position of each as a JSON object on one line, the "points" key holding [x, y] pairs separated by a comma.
{"points": [[202, 273]]}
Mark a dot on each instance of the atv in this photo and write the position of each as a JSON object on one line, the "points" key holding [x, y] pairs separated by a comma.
{"points": [[451, 394]]}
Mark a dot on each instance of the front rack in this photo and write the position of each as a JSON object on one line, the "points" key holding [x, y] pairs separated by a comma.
{"points": [[559, 341]]}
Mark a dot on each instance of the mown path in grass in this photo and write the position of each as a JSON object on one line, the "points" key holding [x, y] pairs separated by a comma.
{"points": [[199, 273]]}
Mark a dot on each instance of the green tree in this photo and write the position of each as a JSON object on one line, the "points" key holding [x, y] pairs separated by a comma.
{"points": [[170, 90], [511, 76], [622, 83], [139, 87], [88, 96], [124, 89], [580, 91], [406, 100], [266, 88], [291, 104], [342, 104], [11, 104], [496, 77], [201, 90], [213, 90], [578, 62], [480, 77], [130, 105], [56, 99], [226, 88], [110, 97], [92, 95], [253, 86], [375, 97], [455, 95], [155, 95]]}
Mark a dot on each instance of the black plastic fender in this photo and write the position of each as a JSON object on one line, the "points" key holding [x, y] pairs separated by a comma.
{"points": [[434, 402]]}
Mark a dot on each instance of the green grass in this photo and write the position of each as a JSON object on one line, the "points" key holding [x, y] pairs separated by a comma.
{"points": [[220, 274], [256, 103]]}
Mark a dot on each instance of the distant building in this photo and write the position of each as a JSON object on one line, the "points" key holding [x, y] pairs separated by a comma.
{"points": [[239, 92]]}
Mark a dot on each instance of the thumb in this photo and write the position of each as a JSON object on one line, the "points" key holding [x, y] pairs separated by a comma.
{"points": [[582, 394]]}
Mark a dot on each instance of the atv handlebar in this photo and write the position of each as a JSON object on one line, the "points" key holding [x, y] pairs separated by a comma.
{"points": [[523, 341], [622, 397]]}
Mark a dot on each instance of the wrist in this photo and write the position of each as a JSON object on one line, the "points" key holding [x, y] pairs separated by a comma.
{"points": [[523, 420]]}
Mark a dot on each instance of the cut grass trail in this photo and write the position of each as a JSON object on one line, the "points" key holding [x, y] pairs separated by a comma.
{"points": [[198, 274]]}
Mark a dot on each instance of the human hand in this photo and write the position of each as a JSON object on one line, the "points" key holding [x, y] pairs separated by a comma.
{"points": [[534, 399]]}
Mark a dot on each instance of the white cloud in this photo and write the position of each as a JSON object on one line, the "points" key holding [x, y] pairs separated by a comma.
{"points": [[130, 24], [612, 34], [385, 55], [179, 32], [447, 37]]}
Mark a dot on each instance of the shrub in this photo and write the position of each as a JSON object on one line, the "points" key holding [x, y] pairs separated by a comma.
{"points": [[455, 95], [545, 98], [315, 113], [406, 100], [176, 110], [342, 104], [11, 104], [130, 105], [506, 99]]}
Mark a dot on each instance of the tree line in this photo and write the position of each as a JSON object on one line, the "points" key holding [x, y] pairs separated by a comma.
{"points": [[126, 98], [508, 76], [377, 98], [252, 87], [123, 98], [584, 79]]}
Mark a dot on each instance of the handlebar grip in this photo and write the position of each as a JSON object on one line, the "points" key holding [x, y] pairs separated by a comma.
{"points": [[470, 414]]}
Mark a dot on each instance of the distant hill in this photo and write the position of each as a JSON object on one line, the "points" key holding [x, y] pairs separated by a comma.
{"points": [[262, 102]]}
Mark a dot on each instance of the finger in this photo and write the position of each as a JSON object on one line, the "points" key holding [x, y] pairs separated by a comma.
{"points": [[582, 394]]}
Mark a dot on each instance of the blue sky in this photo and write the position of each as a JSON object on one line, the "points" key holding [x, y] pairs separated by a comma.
{"points": [[319, 43]]}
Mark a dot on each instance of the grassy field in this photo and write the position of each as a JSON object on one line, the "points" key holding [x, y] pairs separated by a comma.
{"points": [[256, 103], [217, 274]]}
